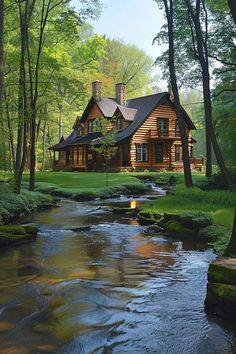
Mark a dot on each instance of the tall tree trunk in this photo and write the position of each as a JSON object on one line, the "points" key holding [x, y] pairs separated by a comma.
{"points": [[232, 6], [171, 63], [60, 122], [1, 50], [44, 146], [231, 248], [203, 60], [10, 131]]}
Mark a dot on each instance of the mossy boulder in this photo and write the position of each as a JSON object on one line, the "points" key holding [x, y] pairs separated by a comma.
{"points": [[195, 220], [223, 270], [221, 299], [31, 229], [170, 217], [15, 234], [174, 227], [12, 230], [149, 218]]}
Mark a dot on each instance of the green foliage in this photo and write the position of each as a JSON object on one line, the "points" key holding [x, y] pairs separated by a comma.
{"points": [[12, 205], [217, 236], [195, 220], [216, 181]]}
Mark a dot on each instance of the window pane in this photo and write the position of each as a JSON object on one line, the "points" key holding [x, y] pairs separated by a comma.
{"points": [[159, 152]]}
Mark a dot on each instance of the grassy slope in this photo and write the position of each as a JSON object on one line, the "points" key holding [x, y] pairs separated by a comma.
{"points": [[219, 204]]}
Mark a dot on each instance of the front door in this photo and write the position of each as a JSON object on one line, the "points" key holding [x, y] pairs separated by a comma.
{"points": [[159, 152]]}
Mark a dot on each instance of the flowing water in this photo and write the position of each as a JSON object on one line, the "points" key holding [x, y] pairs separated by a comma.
{"points": [[110, 289]]}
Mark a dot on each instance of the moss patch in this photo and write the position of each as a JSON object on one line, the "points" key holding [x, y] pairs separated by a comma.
{"points": [[195, 220], [174, 227]]}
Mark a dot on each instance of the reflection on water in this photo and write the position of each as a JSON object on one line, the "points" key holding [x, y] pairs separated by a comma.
{"points": [[107, 290], [134, 203]]}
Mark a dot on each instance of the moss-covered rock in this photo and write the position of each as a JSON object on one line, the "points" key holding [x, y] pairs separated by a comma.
{"points": [[175, 228], [223, 270], [12, 230], [195, 220], [221, 299], [15, 234], [149, 218], [31, 229], [171, 217]]}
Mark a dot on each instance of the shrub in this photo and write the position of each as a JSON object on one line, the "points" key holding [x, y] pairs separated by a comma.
{"points": [[195, 220], [217, 236]]}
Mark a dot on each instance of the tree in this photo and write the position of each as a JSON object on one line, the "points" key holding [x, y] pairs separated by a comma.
{"points": [[128, 64], [105, 145], [202, 55], [1, 49], [168, 5]]}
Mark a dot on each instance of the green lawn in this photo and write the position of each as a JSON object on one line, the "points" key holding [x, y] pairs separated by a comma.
{"points": [[83, 179], [219, 204]]}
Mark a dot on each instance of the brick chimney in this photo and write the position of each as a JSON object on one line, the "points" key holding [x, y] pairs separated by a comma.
{"points": [[97, 90], [121, 94]]}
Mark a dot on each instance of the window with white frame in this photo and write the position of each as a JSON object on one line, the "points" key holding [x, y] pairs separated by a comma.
{"points": [[142, 152]]}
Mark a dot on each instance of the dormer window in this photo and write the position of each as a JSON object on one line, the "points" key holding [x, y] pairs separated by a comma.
{"points": [[91, 126], [119, 124]]}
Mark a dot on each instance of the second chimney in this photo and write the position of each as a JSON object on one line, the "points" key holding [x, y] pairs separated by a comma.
{"points": [[121, 94], [97, 90]]}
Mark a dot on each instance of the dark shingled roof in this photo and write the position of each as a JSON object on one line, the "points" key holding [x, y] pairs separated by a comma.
{"points": [[144, 106], [85, 140], [127, 113], [135, 111], [63, 143]]}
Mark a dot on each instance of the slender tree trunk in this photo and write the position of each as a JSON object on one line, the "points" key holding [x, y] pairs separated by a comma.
{"points": [[203, 60], [1, 50], [44, 146], [231, 248], [232, 6], [60, 122], [171, 63], [10, 131]]}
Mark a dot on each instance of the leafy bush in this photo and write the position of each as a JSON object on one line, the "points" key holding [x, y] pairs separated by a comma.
{"points": [[195, 220], [216, 181], [217, 236]]}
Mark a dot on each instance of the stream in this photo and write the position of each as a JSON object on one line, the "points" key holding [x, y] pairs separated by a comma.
{"points": [[110, 289]]}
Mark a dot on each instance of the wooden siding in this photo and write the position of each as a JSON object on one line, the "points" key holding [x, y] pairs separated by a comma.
{"points": [[142, 135]]}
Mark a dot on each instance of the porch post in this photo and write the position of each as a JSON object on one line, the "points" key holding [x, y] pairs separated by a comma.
{"points": [[54, 157], [121, 157]]}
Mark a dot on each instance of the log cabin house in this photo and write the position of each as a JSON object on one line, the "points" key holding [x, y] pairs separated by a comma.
{"points": [[147, 134]]}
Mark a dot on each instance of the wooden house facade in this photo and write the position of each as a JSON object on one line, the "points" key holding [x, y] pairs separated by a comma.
{"points": [[146, 134]]}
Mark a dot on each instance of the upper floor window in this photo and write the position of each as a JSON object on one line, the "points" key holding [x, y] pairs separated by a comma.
{"points": [[163, 125], [119, 124], [142, 152]]}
